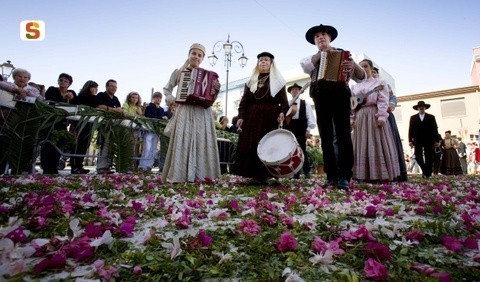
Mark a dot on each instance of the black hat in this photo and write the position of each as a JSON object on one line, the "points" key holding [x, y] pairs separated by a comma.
{"points": [[421, 104], [319, 28], [294, 85], [265, 54]]}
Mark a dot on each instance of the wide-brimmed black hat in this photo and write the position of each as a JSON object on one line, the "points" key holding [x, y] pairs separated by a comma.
{"points": [[421, 104], [293, 86], [265, 54], [319, 28]]}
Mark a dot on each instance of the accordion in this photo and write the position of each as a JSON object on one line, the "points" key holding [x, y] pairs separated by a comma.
{"points": [[196, 87], [329, 67]]}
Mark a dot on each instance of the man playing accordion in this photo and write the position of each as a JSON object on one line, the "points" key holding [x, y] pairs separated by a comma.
{"points": [[332, 105]]}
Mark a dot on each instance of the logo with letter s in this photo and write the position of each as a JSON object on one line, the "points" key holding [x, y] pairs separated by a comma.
{"points": [[32, 30]]}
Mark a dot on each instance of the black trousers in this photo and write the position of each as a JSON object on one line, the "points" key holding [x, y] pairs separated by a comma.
{"points": [[424, 149], [332, 106], [298, 129], [81, 147], [49, 158]]}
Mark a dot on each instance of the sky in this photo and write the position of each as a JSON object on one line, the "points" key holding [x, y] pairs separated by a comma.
{"points": [[424, 45]]}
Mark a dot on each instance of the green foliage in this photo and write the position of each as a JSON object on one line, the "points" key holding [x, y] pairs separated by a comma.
{"points": [[19, 137], [315, 155]]}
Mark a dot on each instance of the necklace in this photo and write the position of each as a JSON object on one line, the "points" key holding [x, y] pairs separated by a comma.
{"points": [[261, 81], [264, 94]]}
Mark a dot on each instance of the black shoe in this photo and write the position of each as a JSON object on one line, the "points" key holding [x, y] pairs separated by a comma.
{"points": [[343, 184], [257, 182], [104, 171], [329, 183], [80, 171], [145, 169], [274, 182]]}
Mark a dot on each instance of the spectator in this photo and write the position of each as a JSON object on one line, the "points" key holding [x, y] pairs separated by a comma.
{"points": [[437, 155], [133, 104], [462, 154], [233, 128], [477, 159], [414, 167], [86, 97], [150, 139], [223, 120], [109, 102], [49, 155], [20, 86]]}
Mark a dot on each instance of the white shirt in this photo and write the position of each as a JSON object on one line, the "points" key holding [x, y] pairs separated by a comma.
{"points": [[421, 116], [311, 122]]}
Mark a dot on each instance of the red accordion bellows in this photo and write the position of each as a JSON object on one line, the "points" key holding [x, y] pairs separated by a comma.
{"points": [[196, 87]]}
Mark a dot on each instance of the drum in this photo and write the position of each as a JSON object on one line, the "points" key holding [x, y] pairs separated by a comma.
{"points": [[280, 153]]}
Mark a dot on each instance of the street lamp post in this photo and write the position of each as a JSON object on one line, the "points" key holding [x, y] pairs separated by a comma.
{"points": [[7, 69], [228, 48]]}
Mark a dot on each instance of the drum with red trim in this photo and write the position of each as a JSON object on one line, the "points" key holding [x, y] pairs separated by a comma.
{"points": [[280, 153]]}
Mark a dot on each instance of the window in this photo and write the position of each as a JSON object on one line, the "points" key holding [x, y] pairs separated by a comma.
{"points": [[453, 107]]}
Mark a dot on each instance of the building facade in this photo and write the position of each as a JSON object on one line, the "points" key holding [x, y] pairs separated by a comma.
{"points": [[456, 109]]}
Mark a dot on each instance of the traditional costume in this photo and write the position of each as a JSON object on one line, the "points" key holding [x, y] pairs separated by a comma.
{"points": [[192, 151], [264, 98]]}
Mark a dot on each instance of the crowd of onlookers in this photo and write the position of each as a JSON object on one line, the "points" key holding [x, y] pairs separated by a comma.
{"points": [[468, 156], [21, 89]]}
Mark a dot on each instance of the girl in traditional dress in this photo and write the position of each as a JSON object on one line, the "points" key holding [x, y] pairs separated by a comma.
{"points": [[450, 161], [261, 108], [192, 151], [392, 103], [375, 156]]}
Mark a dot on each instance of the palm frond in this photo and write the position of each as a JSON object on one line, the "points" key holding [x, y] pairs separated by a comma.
{"points": [[27, 127], [20, 130]]}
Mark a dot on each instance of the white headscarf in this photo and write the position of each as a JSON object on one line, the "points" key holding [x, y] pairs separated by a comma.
{"points": [[277, 81], [185, 65]]}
